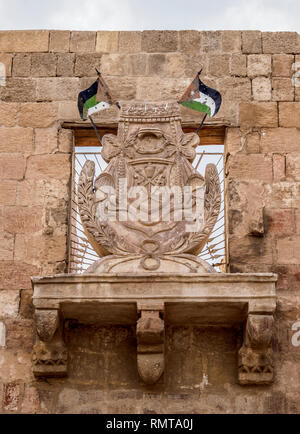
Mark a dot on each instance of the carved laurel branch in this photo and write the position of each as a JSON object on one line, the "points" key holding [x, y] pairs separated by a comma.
{"points": [[100, 231], [212, 203]]}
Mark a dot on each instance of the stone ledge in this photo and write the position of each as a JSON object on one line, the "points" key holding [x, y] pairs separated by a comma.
{"points": [[205, 298]]}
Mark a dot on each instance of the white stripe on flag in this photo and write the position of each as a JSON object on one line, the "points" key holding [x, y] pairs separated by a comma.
{"points": [[205, 99], [97, 108]]}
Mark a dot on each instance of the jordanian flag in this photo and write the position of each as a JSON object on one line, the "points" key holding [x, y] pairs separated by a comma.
{"points": [[202, 98], [97, 97]]}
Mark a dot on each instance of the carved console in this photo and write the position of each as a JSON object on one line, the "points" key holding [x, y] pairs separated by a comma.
{"points": [[150, 333], [49, 353], [255, 356], [149, 274]]}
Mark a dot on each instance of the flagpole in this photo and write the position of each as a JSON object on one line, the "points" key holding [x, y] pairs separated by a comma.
{"points": [[95, 128], [200, 126]]}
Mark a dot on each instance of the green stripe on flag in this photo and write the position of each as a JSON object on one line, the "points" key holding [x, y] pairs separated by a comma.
{"points": [[195, 105], [90, 102]]}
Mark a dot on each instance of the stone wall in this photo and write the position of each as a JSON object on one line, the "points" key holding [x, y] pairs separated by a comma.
{"points": [[44, 72]]}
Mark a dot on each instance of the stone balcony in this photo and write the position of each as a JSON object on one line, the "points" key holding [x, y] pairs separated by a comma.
{"points": [[153, 301]]}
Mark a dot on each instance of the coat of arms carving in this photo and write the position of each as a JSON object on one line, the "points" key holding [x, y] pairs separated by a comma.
{"points": [[150, 210]]}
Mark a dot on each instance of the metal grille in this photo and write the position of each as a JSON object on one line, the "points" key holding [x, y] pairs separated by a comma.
{"points": [[81, 253]]}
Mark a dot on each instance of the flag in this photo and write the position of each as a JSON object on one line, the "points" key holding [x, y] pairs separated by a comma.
{"points": [[97, 97], [202, 98]]}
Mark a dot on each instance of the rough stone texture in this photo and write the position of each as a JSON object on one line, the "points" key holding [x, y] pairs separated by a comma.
{"points": [[261, 89], [251, 42], [59, 41], [24, 41], [263, 184], [259, 65]]}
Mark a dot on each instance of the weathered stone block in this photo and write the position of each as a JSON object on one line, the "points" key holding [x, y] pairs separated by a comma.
{"points": [[279, 42], [157, 64], [6, 248], [159, 41], [57, 89], [43, 65], [189, 41], [38, 115], [253, 143], [107, 42], [16, 139], [193, 63], [231, 41], [65, 140], [259, 65], [282, 89], [68, 110], [19, 220], [293, 165], [219, 65], [280, 222], [278, 167], [137, 64], [86, 64], [114, 64], [24, 41], [244, 166], [8, 192], [235, 88], [175, 65], [9, 303], [282, 65], [238, 65], [280, 140], [22, 65], [65, 64], [121, 88], [251, 42], [262, 89], [288, 250], [83, 42], [45, 140], [16, 275], [289, 114], [262, 114], [211, 42], [8, 114], [59, 41], [250, 250], [233, 140], [12, 166], [130, 42], [18, 90], [53, 166]]}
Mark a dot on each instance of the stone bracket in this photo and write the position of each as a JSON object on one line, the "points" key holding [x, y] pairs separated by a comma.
{"points": [[50, 355], [255, 356], [150, 332]]}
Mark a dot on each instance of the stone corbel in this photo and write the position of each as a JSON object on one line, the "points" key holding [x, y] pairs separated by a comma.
{"points": [[150, 333], [255, 356], [49, 353]]}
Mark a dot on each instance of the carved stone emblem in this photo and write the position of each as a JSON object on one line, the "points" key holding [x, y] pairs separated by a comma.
{"points": [[167, 217]]}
